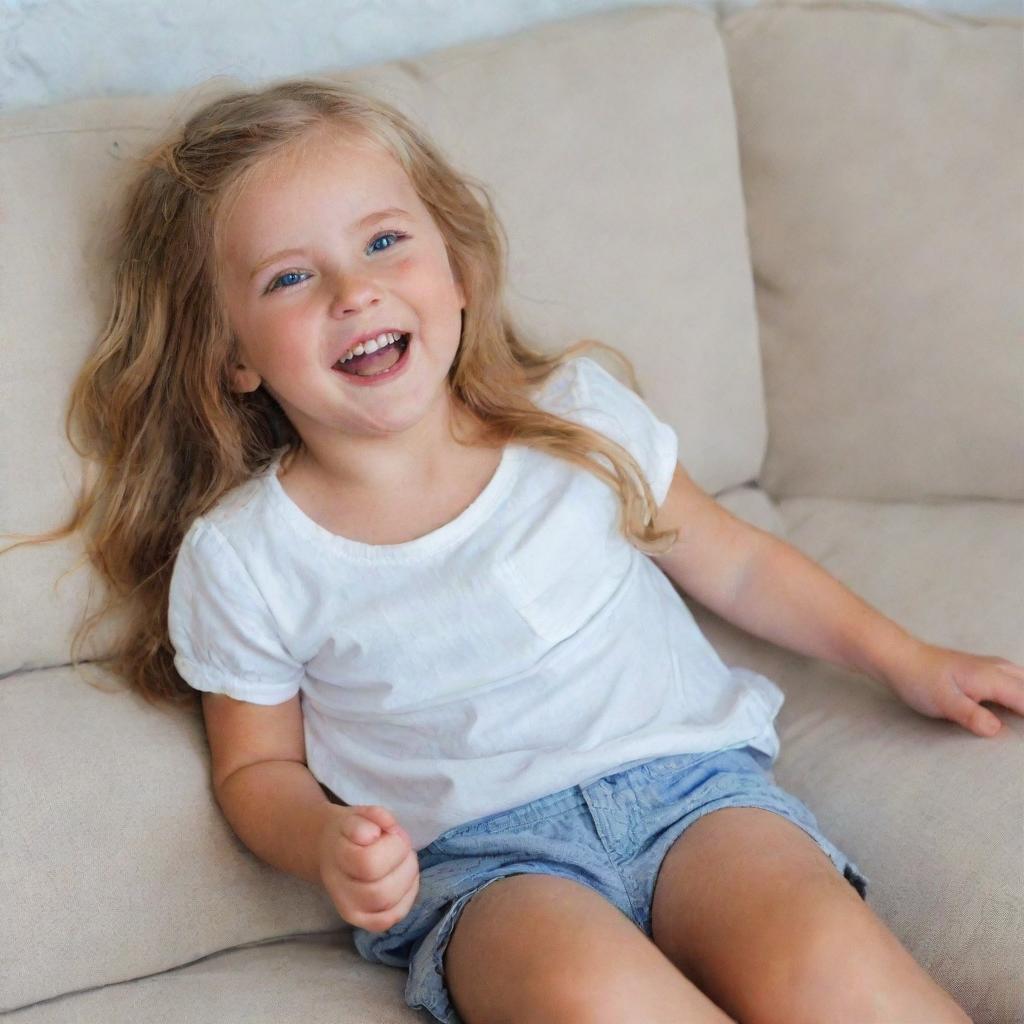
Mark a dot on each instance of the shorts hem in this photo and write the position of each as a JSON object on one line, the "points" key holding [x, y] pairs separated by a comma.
{"points": [[438, 1003], [846, 867]]}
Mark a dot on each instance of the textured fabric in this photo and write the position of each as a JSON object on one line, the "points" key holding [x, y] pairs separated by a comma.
{"points": [[116, 861], [523, 646], [611, 835], [298, 979], [881, 151]]}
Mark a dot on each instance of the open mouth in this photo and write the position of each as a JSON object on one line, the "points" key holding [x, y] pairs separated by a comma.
{"points": [[381, 363]]}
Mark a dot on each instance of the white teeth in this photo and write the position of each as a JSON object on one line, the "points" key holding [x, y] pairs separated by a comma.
{"points": [[374, 345]]}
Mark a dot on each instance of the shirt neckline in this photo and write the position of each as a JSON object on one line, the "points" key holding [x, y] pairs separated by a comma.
{"points": [[454, 530]]}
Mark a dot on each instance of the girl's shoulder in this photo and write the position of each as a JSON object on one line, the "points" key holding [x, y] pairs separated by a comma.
{"points": [[236, 513], [569, 385], [583, 390]]}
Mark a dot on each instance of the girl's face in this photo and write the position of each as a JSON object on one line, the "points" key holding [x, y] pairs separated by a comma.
{"points": [[367, 258]]}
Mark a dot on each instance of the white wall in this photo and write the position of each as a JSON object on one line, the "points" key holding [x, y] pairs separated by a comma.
{"points": [[55, 50]]}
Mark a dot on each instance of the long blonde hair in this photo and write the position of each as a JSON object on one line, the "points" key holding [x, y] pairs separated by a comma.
{"points": [[153, 406]]}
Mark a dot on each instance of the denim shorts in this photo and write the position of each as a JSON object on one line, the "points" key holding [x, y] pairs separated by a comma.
{"points": [[611, 834]]}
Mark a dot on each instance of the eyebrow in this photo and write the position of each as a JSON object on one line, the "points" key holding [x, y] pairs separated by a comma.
{"points": [[391, 211]]}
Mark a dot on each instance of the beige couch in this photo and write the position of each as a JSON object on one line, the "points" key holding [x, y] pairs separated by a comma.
{"points": [[804, 224]]}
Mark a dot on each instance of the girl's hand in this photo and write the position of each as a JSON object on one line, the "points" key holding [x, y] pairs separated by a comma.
{"points": [[944, 683], [368, 866]]}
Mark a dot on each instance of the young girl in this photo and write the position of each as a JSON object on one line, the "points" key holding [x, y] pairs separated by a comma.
{"points": [[420, 572]]}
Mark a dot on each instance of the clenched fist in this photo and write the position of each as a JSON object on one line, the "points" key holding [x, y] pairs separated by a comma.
{"points": [[368, 866]]}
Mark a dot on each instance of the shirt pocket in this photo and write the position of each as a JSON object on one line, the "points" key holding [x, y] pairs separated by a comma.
{"points": [[561, 575]]}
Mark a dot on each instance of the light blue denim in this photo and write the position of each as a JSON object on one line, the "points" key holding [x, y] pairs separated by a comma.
{"points": [[611, 834]]}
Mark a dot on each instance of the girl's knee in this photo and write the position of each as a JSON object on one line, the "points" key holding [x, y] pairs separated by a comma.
{"points": [[850, 969], [537, 948], [610, 993]]}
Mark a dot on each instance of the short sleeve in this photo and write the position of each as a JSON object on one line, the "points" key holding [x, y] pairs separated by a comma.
{"points": [[221, 629], [618, 412]]}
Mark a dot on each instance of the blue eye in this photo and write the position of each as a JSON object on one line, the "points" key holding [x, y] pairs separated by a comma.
{"points": [[387, 234], [395, 235], [290, 273]]}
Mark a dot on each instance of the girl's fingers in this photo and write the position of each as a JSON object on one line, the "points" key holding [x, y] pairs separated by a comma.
{"points": [[401, 909], [996, 683], [361, 830], [983, 722], [397, 830], [1008, 691], [974, 717]]}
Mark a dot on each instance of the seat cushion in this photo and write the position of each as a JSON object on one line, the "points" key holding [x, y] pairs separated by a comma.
{"points": [[882, 150], [930, 812], [115, 859], [316, 979]]}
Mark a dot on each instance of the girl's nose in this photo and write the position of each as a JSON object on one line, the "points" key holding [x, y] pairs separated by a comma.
{"points": [[352, 294]]}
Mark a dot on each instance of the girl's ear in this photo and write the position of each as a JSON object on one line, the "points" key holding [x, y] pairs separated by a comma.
{"points": [[244, 379]]}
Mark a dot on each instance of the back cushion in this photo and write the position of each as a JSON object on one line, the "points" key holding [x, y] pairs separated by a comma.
{"points": [[61, 169], [882, 152]]}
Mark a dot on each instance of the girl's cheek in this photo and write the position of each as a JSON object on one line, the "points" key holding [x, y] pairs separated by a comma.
{"points": [[406, 266]]}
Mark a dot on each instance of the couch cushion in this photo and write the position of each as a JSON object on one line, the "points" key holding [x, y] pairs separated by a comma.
{"points": [[949, 573], [312, 979], [60, 167], [621, 198], [931, 813], [882, 150], [116, 860]]}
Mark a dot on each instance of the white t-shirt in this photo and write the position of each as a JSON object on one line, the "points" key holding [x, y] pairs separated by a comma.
{"points": [[523, 647]]}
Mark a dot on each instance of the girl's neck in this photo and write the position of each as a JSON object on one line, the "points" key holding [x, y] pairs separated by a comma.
{"points": [[387, 466], [395, 509]]}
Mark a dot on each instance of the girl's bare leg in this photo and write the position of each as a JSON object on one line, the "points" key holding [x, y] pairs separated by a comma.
{"points": [[542, 949], [750, 907]]}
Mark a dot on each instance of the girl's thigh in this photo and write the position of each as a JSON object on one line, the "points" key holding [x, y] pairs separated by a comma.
{"points": [[536, 948], [751, 908]]}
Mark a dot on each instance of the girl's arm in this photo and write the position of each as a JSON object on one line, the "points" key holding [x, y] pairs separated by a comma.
{"points": [[788, 599], [261, 782], [279, 811], [360, 855], [767, 587]]}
